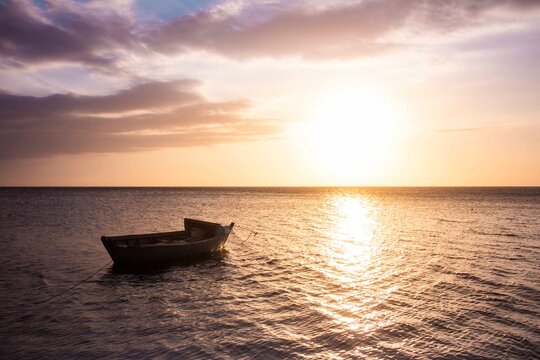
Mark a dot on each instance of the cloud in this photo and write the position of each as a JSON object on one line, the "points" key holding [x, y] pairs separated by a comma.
{"points": [[145, 117], [64, 31], [472, 129], [145, 96], [102, 34], [354, 30]]}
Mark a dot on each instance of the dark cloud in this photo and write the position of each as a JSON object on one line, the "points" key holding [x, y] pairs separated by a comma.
{"points": [[62, 32], [174, 116], [141, 97]]}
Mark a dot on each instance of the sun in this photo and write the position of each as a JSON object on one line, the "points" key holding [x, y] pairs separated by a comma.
{"points": [[350, 133]]}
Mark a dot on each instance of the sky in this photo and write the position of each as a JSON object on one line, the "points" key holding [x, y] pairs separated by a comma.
{"points": [[270, 93]]}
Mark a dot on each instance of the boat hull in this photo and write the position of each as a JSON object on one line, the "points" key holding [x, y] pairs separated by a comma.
{"points": [[136, 256], [132, 253]]}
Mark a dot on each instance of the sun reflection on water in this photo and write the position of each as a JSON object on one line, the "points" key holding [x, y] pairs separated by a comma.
{"points": [[351, 232], [351, 265]]}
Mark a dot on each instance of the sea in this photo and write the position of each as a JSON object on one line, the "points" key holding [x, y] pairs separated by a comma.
{"points": [[333, 273]]}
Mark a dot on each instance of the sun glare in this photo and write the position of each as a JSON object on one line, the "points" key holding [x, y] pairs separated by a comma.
{"points": [[350, 133], [351, 252]]}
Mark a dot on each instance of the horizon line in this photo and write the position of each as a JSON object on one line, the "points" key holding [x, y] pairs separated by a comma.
{"points": [[259, 186]]}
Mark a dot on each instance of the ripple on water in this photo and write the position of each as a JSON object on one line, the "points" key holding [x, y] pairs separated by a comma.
{"points": [[333, 273]]}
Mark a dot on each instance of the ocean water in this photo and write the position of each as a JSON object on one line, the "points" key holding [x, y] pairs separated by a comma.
{"points": [[334, 273]]}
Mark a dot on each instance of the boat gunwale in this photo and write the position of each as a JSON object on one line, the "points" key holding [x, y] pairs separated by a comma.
{"points": [[142, 236], [177, 242]]}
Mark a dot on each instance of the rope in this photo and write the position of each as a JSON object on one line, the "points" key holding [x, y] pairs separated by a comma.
{"points": [[254, 233], [251, 232], [74, 286]]}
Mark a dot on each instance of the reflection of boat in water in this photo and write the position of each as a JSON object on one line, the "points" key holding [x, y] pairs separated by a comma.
{"points": [[198, 238]]}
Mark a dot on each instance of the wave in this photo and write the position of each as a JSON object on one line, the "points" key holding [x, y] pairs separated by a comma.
{"points": [[479, 232]]}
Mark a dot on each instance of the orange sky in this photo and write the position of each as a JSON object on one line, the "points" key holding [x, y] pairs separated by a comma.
{"points": [[301, 93]]}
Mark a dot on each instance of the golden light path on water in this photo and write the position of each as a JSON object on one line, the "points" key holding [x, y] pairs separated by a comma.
{"points": [[352, 265]]}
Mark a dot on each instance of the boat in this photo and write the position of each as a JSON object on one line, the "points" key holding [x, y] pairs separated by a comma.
{"points": [[198, 238]]}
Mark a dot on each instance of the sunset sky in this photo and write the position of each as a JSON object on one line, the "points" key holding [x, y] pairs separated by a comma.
{"points": [[269, 93]]}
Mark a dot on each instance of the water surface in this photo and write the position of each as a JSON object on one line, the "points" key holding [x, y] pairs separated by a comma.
{"points": [[333, 273]]}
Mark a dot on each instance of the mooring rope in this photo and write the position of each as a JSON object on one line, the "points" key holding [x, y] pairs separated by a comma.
{"points": [[254, 233], [73, 286], [251, 233]]}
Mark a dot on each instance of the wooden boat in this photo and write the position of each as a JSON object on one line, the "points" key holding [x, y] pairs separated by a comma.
{"points": [[198, 238]]}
